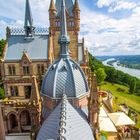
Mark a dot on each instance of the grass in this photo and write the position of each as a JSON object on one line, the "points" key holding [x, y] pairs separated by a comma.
{"points": [[123, 97]]}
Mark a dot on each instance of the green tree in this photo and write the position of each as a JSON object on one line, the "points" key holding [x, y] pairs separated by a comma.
{"points": [[2, 45], [132, 85], [101, 75], [1, 93]]}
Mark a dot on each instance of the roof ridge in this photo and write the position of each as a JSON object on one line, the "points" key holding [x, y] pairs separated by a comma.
{"points": [[62, 123]]}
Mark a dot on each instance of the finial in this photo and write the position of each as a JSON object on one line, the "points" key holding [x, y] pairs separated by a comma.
{"points": [[28, 25], [64, 39]]}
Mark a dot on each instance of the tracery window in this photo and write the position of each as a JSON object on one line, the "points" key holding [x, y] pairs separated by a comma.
{"points": [[40, 69], [12, 70], [26, 70]]}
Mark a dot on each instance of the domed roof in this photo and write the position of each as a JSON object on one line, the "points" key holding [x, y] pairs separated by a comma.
{"points": [[65, 122], [64, 76]]}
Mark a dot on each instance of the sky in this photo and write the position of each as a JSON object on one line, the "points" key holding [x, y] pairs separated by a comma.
{"points": [[110, 27]]}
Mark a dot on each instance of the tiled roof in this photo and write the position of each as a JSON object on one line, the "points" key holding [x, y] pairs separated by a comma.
{"points": [[36, 48], [64, 75], [65, 122]]}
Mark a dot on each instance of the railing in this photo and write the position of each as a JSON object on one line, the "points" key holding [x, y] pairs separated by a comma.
{"points": [[21, 31]]}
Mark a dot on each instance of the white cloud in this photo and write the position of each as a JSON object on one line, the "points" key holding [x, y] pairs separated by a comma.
{"points": [[104, 35], [102, 3], [115, 5], [116, 35]]}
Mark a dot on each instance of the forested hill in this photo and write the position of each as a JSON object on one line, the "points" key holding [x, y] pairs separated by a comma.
{"points": [[115, 76]]}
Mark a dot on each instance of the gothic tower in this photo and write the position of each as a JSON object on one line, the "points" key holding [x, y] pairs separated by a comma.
{"points": [[73, 24]]}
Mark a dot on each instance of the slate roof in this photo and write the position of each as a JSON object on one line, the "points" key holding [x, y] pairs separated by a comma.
{"points": [[36, 48], [65, 122], [69, 6], [64, 75]]}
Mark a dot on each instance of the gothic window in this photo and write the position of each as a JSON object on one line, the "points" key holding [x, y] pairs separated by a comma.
{"points": [[57, 24], [12, 70], [27, 90], [14, 91], [40, 69], [71, 23], [26, 70]]}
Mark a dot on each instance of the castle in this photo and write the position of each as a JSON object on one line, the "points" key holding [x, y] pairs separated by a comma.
{"points": [[68, 91]]}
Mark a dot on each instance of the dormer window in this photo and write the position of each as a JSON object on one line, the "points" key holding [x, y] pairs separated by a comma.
{"points": [[26, 70]]}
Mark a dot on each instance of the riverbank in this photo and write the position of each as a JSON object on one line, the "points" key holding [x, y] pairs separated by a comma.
{"points": [[130, 71]]}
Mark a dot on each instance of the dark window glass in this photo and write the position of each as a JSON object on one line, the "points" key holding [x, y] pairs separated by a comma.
{"points": [[27, 90], [14, 90]]}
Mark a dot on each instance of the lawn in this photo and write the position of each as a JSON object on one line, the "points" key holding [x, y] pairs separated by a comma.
{"points": [[124, 97]]}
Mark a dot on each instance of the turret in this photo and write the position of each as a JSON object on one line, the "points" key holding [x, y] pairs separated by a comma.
{"points": [[93, 105], [52, 13], [76, 12]]}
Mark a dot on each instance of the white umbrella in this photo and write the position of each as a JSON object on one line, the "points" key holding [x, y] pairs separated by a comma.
{"points": [[102, 112], [120, 118], [106, 124]]}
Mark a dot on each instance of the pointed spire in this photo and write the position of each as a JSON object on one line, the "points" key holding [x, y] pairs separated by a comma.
{"points": [[76, 5], [52, 6], [28, 25], [2, 130], [63, 38]]}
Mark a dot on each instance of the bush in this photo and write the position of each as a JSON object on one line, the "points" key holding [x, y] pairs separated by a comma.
{"points": [[120, 90]]}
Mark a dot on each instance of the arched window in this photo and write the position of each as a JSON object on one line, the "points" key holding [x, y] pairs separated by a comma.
{"points": [[13, 122], [71, 24]]}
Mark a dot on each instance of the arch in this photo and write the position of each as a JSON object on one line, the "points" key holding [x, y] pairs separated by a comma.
{"points": [[12, 122], [25, 120]]}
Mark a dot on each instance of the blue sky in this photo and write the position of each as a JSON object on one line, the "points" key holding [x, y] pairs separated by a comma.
{"points": [[110, 27]]}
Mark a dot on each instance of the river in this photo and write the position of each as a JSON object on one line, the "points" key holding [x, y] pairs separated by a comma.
{"points": [[133, 72]]}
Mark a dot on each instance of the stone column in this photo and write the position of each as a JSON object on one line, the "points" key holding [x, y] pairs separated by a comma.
{"points": [[19, 123], [2, 130]]}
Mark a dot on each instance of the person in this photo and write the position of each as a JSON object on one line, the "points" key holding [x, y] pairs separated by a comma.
{"points": [[126, 131]]}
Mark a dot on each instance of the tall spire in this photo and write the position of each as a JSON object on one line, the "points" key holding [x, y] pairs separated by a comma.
{"points": [[28, 25], [64, 39]]}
